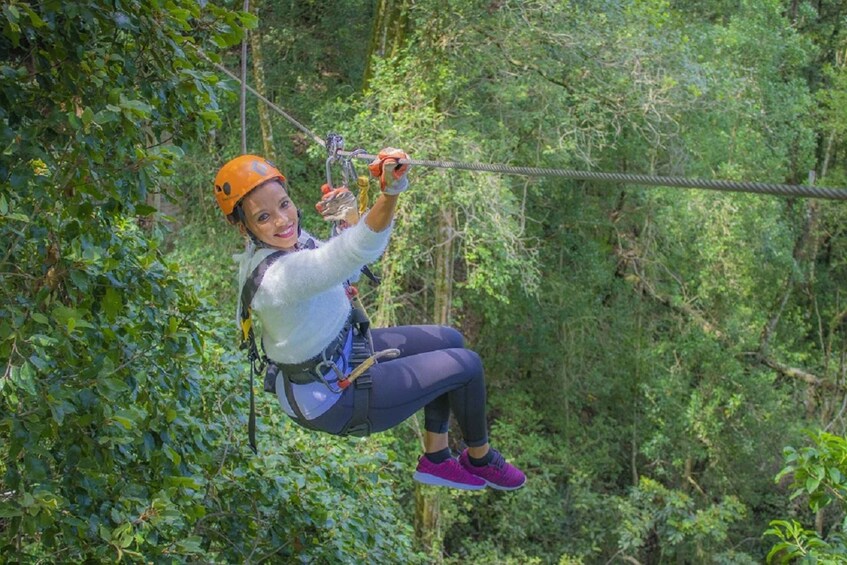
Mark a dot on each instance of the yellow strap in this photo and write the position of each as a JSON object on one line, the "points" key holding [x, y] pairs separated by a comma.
{"points": [[246, 325], [364, 197]]}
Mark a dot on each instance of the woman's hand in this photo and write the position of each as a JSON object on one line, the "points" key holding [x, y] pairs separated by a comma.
{"points": [[338, 205], [391, 174]]}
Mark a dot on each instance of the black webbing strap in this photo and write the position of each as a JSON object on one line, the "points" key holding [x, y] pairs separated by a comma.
{"points": [[251, 419], [289, 395], [359, 424], [370, 274], [251, 285]]}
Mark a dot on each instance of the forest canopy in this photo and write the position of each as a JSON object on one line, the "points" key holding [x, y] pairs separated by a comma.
{"points": [[668, 365]]}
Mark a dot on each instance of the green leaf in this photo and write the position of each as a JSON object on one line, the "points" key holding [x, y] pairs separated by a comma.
{"points": [[110, 386], [23, 377], [112, 303], [9, 511], [137, 108], [70, 318], [145, 209], [40, 318], [34, 18], [169, 452], [123, 534], [124, 421], [87, 117], [184, 482], [73, 120], [105, 116], [12, 13], [17, 217], [248, 20], [191, 544]]}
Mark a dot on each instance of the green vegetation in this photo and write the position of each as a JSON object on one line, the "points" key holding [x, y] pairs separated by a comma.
{"points": [[667, 365]]}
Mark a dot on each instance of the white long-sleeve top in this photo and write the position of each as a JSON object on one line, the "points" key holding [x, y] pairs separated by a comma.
{"points": [[302, 305]]}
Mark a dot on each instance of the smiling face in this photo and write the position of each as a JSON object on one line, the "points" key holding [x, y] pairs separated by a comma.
{"points": [[271, 216]]}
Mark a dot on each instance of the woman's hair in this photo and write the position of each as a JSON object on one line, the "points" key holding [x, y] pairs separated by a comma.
{"points": [[237, 216]]}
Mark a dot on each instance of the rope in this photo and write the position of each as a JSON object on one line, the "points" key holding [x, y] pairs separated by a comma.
{"points": [[244, 85], [649, 180], [805, 191], [317, 139]]}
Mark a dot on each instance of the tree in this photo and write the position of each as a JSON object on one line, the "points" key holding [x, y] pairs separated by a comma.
{"points": [[122, 402], [817, 473]]}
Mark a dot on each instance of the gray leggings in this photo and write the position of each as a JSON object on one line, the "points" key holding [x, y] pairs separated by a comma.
{"points": [[434, 371]]}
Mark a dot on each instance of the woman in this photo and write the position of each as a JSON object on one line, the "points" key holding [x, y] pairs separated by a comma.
{"points": [[298, 289]]}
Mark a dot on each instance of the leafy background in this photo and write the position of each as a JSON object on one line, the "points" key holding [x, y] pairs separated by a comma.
{"points": [[668, 366]]}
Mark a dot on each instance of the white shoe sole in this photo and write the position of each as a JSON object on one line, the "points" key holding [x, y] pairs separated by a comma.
{"points": [[427, 479], [498, 487]]}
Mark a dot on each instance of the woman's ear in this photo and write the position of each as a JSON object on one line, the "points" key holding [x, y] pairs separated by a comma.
{"points": [[241, 228]]}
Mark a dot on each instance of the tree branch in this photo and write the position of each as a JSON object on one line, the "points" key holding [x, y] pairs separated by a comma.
{"points": [[632, 259], [794, 372]]}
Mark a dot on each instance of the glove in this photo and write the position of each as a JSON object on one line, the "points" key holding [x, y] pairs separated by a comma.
{"points": [[337, 205], [391, 174]]}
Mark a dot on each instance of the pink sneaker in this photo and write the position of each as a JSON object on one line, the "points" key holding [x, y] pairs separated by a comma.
{"points": [[446, 474], [497, 474]]}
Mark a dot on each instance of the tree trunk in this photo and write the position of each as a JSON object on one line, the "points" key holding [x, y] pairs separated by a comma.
{"points": [[428, 521], [388, 34], [443, 295], [427, 503], [259, 81]]}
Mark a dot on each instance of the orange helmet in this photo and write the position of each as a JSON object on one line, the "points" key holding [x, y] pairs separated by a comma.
{"points": [[241, 175]]}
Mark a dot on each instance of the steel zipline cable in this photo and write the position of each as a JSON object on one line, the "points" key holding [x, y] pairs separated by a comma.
{"points": [[804, 191], [649, 180], [243, 82]]}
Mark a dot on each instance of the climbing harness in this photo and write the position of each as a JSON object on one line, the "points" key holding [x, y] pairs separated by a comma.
{"points": [[351, 348], [803, 191]]}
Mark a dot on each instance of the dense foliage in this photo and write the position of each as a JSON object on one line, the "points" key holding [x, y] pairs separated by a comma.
{"points": [[122, 400], [668, 366]]}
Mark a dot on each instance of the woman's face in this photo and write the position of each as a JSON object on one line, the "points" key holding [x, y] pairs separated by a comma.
{"points": [[271, 216]]}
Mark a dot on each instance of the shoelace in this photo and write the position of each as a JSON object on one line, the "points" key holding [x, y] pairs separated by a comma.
{"points": [[497, 460]]}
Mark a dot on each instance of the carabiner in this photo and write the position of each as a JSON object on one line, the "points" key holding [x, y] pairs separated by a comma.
{"points": [[348, 169], [334, 143], [330, 364]]}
